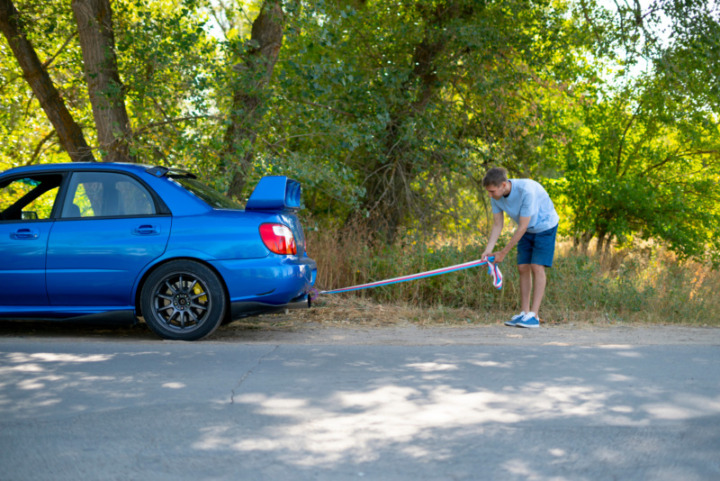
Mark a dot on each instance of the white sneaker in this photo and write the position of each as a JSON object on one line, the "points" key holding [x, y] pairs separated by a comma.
{"points": [[531, 321], [515, 319]]}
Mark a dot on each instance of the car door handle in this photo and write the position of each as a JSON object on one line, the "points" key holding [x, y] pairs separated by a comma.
{"points": [[146, 229], [25, 234]]}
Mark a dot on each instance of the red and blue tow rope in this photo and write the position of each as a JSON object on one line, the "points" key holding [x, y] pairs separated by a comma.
{"points": [[493, 271]]}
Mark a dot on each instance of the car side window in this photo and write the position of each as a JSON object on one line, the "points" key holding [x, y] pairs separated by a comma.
{"points": [[106, 194], [29, 198]]}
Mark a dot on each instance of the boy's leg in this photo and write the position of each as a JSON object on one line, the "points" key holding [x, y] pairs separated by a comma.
{"points": [[543, 254], [524, 257], [525, 286], [539, 282]]}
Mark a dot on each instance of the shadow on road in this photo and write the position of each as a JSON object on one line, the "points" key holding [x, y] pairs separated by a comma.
{"points": [[62, 329], [245, 329]]}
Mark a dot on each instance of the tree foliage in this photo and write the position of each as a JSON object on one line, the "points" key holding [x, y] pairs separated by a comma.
{"points": [[389, 112], [16, 30], [644, 160]]}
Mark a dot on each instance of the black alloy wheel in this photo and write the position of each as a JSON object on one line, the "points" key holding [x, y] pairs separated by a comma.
{"points": [[183, 300]]}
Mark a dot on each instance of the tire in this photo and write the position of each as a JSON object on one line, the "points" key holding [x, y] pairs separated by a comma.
{"points": [[183, 300]]}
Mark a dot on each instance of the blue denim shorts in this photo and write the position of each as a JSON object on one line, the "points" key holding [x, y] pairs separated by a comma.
{"points": [[537, 248]]}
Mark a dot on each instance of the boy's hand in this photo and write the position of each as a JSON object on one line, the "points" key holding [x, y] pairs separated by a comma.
{"points": [[499, 256]]}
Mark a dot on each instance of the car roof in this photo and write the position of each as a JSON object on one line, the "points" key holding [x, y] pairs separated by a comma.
{"points": [[156, 171], [79, 166]]}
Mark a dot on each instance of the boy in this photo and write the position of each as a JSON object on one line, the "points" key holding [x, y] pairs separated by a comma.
{"points": [[530, 206]]}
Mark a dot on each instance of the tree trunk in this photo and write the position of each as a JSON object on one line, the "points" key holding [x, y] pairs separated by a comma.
{"points": [[255, 73], [608, 245], [69, 132], [97, 39], [584, 242], [388, 183]]}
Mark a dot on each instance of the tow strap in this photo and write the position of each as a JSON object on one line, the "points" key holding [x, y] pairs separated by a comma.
{"points": [[493, 271]]}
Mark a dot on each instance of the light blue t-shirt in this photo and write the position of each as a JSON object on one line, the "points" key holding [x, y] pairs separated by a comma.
{"points": [[528, 199]]}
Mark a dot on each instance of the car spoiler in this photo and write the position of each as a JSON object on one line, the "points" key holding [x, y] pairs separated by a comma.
{"points": [[273, 193]]}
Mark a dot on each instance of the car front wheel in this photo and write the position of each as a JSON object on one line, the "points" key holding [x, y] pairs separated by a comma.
{"points": [[183, 300]]}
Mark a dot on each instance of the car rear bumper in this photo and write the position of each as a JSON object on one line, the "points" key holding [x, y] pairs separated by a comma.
{"points": [[271, 283], [242, 309]]}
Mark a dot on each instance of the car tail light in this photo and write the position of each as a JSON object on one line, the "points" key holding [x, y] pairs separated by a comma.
{"points": [[278, 238]]}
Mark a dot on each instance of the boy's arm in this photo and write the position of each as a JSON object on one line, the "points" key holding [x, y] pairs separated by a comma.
{"points": [[519, 232], [498, 221]]}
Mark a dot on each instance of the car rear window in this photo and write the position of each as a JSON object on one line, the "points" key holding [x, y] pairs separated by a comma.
{"points": [[211, 196]]}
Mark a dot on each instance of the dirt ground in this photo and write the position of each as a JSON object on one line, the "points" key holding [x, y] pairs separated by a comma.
{"points": [[355, 321]]}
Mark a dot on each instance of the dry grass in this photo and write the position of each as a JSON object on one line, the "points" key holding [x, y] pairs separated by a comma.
{"points": [[353, 312], [643, 284]]}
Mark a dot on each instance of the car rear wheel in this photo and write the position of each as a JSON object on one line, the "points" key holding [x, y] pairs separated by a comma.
{"points": [[183, 300]]}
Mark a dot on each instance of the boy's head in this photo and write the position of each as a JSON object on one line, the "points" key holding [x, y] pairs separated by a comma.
{"points": [[495, 177], [496, 183]]}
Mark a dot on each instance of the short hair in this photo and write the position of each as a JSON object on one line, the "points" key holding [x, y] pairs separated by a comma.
{"points": [[495, 177]]}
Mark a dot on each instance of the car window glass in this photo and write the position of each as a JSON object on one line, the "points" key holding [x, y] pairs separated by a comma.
{"points": [[208, 194], [106, 194], [82, 201], [134, 198], [29, 198]]}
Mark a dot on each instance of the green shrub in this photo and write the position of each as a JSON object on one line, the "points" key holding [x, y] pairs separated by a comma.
{"points": [[645, 285]]}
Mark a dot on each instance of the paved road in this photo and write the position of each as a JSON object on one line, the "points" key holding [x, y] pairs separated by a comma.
{"points": [[141, 409]]}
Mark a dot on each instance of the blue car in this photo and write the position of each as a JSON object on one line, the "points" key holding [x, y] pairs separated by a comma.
{"points": [[123, 241]]}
